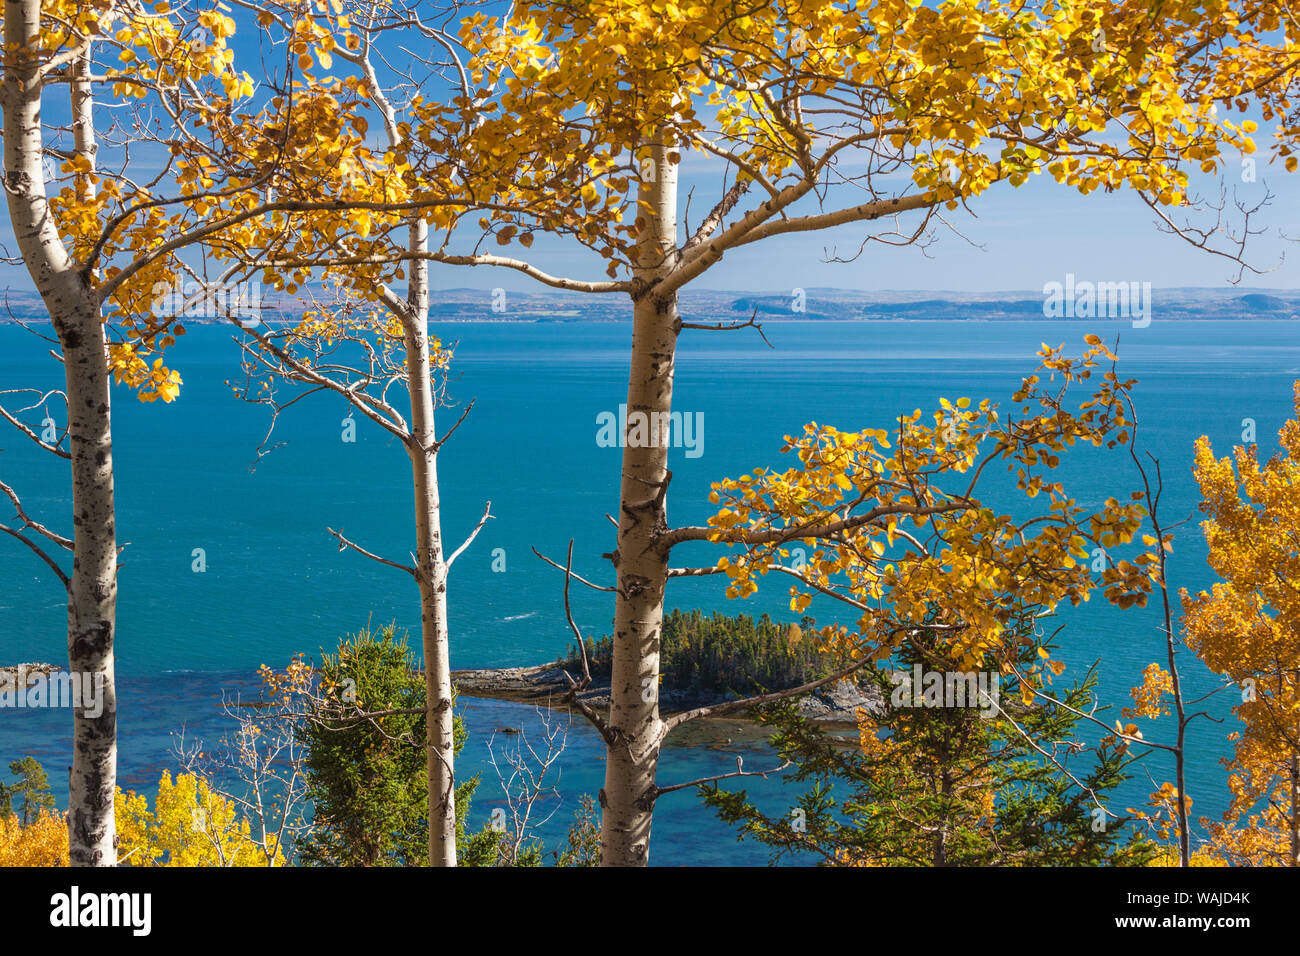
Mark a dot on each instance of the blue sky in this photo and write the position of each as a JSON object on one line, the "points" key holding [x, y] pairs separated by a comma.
{"points": [[1012, 239]]}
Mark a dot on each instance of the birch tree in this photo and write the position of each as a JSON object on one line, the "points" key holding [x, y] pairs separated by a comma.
{"points": [[363, 338], [403, 356], [95, 242], [105, 227], [886, 116]]}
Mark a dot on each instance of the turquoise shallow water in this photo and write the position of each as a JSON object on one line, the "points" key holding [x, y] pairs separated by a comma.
{"points": [[276, 584]]}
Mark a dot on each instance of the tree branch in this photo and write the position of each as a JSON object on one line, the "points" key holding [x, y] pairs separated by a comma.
{"points": [[345, 544], [487, 513], [731, 706], [740, 771]]}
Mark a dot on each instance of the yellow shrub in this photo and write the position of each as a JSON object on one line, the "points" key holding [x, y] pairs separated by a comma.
{"points": [[191, 826], [1168, 856], [44, 842]]}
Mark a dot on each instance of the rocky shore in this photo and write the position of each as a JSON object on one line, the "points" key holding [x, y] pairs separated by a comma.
{"points": [[545, 684], [10, 674]]}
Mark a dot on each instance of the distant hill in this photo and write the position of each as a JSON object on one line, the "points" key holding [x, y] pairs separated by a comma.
{"points": [[1258, 302]]}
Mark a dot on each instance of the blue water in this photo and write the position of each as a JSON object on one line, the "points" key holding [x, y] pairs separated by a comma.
{"points": [[276, 584]]}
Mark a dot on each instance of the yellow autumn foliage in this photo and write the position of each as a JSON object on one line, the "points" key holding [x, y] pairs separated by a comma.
{"points": [[547, 134], [880, 524], [191, 825], [1247, 628], [43, 842], [1205, 856]]}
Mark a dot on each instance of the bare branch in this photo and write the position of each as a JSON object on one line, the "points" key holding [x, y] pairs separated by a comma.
{"points": [[729, 326], [731, 706], [30, 433], [740, 771], [40, 552], [569, 573], [487, 513], [345, 544], [40, 529]]}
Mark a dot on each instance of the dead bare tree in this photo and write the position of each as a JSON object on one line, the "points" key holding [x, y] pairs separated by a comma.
{"points": [[258, 767], [523, 769]]}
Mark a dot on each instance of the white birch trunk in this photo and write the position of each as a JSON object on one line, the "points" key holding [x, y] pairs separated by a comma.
{"points": [[431, 566], [74, 312], [641, 565]]}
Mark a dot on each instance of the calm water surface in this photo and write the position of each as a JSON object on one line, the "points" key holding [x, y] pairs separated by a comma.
{"points": [[275, 583]]}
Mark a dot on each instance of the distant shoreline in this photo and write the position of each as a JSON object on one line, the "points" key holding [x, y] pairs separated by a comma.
{"points": [[1084, 303], [775, 320]]}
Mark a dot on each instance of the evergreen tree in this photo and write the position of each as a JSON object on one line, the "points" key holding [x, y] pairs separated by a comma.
{"points": [[32, 789], [367, 778], [719, 654], [949, 785]]}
